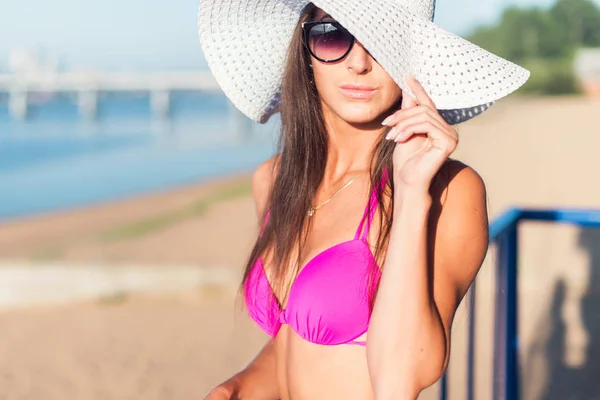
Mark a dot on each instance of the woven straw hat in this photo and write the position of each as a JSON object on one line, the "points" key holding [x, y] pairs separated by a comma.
{"points": [[245, 43]]}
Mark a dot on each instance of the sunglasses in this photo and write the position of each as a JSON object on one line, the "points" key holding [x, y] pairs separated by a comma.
{"points": [[327, 40]]}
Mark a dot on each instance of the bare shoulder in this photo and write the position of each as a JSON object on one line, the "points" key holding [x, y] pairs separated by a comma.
{"points": [[262, 181], [462, 222], [465, 178], [459, 212], [459, 239], [455, 182]]}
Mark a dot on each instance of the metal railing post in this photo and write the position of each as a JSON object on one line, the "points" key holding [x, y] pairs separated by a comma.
{"points": [[471, 344], [444, 386], [504, 232], [506, 365]]}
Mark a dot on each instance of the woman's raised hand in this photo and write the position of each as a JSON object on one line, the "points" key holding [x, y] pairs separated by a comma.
{"points": [[424, 140]]}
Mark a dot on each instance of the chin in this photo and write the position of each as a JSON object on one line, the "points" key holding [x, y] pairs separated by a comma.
{"points": [[358, 113]]}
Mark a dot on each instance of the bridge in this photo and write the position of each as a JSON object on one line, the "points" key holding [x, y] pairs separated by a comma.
{"points": [[88, 85]]}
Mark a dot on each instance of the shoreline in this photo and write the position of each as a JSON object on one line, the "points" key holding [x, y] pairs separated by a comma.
{"points": [[57, 236]]}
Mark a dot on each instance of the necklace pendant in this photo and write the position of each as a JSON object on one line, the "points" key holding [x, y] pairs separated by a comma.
{"points": [[311, 212]]}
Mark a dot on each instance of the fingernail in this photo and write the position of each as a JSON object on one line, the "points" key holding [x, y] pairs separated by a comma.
{"points": [[390, 133], [400, 135], [387, 120]]}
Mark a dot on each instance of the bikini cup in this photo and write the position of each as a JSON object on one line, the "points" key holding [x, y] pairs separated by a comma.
{"points": [[328, 301]]}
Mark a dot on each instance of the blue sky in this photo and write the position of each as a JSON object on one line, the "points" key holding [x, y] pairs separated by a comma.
{"points": [[155, 34]]}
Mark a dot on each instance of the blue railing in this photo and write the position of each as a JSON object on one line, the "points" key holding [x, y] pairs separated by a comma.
{"points": [[504, 233]]}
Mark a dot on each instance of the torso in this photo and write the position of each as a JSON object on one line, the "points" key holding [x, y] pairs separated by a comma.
{"points": [[308, 370]]}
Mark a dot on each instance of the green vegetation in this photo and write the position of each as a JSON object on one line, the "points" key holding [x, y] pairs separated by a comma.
{"points": [[149, 225], [113, 299], [551, 76], [158, 222], [47, 254], [544, 41]]}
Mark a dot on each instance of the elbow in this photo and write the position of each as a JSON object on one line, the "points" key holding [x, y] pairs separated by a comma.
{"points": [[405, 380], [434, 365], [403, 367], [431, 373]]}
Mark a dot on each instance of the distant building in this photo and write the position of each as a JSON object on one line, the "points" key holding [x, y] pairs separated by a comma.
{"points": [[587, 70]]}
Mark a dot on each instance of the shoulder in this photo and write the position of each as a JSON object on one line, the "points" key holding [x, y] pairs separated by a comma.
{"points": [[459, 199], [461, 223], [456, 182], [262, 182], [459, 236]]}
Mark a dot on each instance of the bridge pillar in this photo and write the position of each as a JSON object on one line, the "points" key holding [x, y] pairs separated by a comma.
{"points": [[18, 103], [87, 102], [160, 102]]}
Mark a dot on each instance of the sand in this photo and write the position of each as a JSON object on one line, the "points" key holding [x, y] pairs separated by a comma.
{"points": [[142, 347], [79, 235], [538, 152]]}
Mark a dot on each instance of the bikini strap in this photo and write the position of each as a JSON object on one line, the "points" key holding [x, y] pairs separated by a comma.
{"points": [[370, 210], [262, 229], [362, 220], [372, 206]]}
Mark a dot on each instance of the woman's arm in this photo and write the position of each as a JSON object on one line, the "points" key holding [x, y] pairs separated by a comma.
{"points": [[256, 381], [433, 256]]}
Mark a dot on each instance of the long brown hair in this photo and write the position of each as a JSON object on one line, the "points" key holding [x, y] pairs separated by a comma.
{"points": [[300, 168]]}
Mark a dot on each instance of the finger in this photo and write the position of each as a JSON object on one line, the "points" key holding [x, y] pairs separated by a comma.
{"points": [[407, 101], [402, 114], [438, 139], [423, 116], [398, 115], [421, 95], [428, 128]]}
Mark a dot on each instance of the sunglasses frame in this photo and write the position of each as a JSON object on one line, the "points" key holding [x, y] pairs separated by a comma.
{"points": [[306, 28]]}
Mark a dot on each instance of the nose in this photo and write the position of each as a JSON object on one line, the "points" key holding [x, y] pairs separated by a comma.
{"points": [[359, 60]]}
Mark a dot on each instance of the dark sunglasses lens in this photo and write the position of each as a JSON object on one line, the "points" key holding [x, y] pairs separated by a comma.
{"points": [[328, 42]]}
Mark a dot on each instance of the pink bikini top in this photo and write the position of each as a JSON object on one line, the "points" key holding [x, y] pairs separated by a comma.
{"points": [[328, 302]]}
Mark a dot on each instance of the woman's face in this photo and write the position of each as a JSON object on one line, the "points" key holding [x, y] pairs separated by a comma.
{"points": [[357, 68]]}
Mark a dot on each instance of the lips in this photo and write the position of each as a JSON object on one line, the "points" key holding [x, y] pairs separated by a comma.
{"points": [[357, 91], [357, 87]]}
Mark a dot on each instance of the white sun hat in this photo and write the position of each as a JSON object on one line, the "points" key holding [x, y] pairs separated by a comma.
{"points": [[245, 44]]}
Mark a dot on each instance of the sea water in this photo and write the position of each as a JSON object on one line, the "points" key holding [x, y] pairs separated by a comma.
{"points": [[57, 159]]}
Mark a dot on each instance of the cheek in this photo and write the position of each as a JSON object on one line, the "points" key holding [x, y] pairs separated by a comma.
{"points": [[392, 89], [391, 94]]}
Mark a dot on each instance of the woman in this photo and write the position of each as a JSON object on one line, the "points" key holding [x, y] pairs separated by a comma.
{"points": [[371, 235]]}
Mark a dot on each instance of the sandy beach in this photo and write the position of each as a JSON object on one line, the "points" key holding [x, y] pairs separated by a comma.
{"points": [[535, 152], [142, 347]]}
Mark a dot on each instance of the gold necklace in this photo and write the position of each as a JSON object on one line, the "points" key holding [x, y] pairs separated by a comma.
{"points": [[312, 210]]}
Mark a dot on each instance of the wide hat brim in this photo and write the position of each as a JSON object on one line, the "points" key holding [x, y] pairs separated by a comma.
{"points": [[245, 44]]}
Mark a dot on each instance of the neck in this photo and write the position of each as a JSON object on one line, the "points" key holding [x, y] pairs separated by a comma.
{"points": [[349, 149]]}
